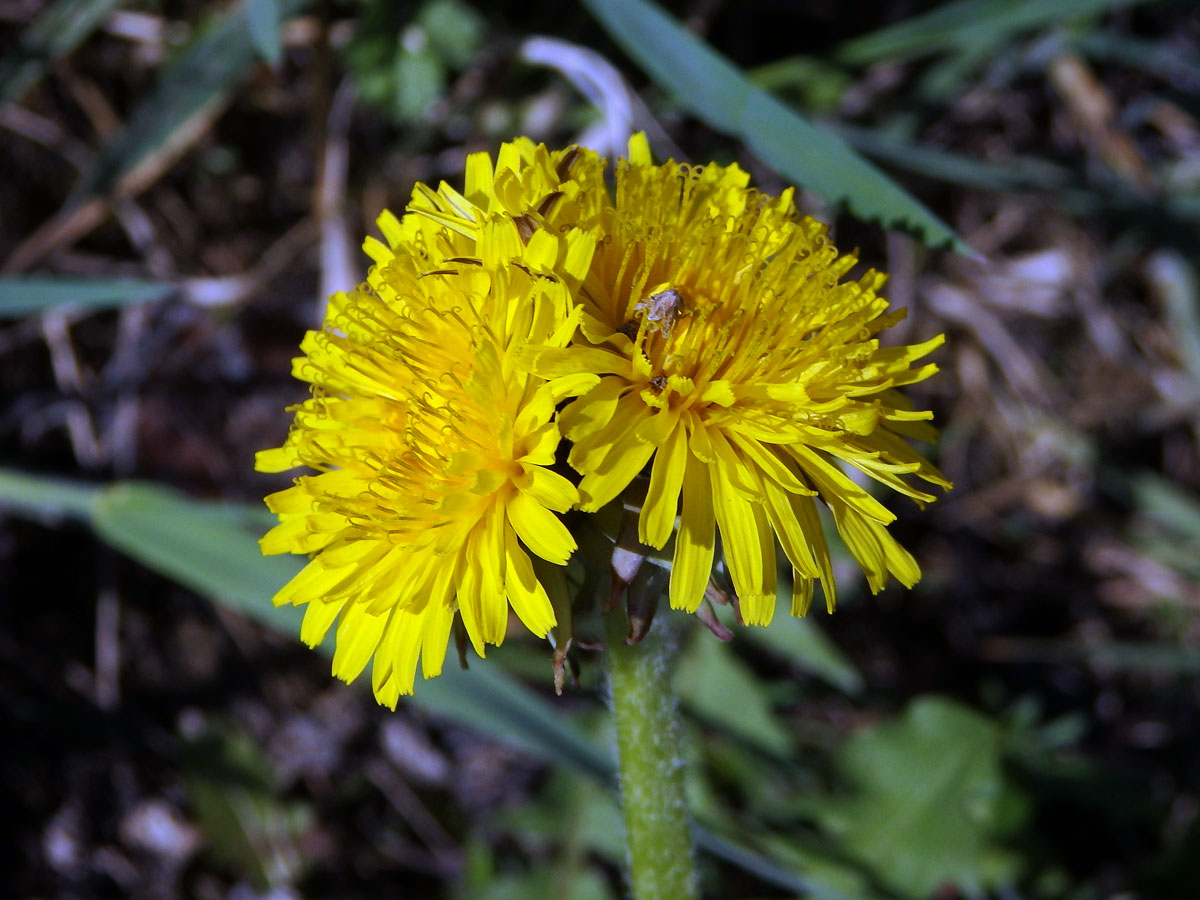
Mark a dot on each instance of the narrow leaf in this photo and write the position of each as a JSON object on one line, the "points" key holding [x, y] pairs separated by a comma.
{"points": [[721, 95], [968, 26], [211, 548], [25, 295], [192, 86], [42, 498], [60, 28], [265, 19]]}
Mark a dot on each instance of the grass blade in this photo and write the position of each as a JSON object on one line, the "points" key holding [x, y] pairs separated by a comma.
{"points": [[265, 19], [27, 295], [968, 26], [45, 499], [189, 91], [721, 95], [60, 28]]}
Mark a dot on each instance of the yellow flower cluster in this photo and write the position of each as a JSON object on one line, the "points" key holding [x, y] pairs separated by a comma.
{"points": [[688, 323]]}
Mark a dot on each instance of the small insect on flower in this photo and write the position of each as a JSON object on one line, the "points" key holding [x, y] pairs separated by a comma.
{"points": [[660, 311]]}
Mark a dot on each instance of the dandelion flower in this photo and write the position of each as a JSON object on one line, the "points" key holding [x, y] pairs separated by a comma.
{"points": [[738, 363], [434, 451]]}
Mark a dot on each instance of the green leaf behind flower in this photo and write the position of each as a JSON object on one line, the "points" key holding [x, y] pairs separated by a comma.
{"points": [[718, 93], [25, 295], [928, 801], [972, 27]]}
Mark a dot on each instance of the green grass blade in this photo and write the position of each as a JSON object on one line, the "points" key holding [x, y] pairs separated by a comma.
{"points": [[27, 295], [200, 79], [1167, 503], [42, 498], [211, 548], [721, 95], [60, 28], [968, 26], [1022, 173], [265, 19], [1157, 58]]}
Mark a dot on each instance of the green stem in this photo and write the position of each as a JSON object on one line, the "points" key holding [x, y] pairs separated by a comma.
{"points": [[657, 827]]}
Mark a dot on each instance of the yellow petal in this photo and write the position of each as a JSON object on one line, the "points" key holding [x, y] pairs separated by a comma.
{"points": [[317, 618], [625, 459], [277, 459], [639, 149], [550, 489], [593, 410], [525, 592], [540, 529], [435, 638], [832, 482], [396, 659], [796, 542], [358, 636], [696, 541], [657, 520], [657, 427], [478, 179], [769, 463], [313, 582], [739, 536]]}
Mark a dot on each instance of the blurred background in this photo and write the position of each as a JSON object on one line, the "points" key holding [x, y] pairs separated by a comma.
{"points": [[183, 182]]}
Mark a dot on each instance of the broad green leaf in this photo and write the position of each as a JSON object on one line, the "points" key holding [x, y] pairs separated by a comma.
{"points": [[721, 95], [25, 295], [967, 26], [58, 30], [808, 647], [196, 82], [265, 19], [719, 688], [818, 85], [420, 78], [926, 799]]}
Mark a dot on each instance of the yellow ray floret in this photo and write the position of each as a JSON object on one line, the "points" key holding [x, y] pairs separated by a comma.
{"points": [[434, 454]]}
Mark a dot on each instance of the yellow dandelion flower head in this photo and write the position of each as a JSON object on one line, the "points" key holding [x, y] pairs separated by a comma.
{"points": [[534, 187], [736, 360], [434, 454]]}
